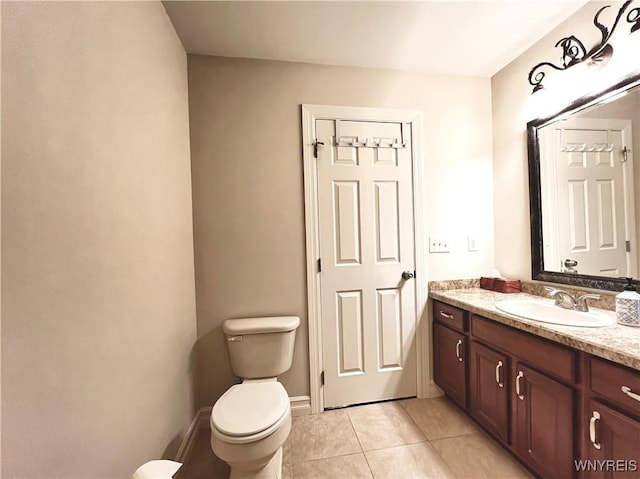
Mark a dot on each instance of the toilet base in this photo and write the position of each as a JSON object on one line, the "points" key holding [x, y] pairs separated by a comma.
{"points": [[272, 470]]}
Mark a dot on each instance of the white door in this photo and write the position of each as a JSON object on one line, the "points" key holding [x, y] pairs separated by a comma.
{"points": [[365, 214], [595, 210]]}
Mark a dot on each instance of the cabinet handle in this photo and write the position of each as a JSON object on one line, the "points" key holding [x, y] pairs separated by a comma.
{"points": [[446, 315], [518, 377], [592, 429], [498, 375], [628, 392], [458, 355]]}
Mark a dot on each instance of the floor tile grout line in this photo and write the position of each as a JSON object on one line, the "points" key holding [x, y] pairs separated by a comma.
{"points": [[443, 459], [430, 441], [413, 420], [294, 461], [327, 457], [360, 444]]}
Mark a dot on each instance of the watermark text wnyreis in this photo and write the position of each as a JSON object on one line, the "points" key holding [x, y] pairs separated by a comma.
{"points": [[610, 465]]}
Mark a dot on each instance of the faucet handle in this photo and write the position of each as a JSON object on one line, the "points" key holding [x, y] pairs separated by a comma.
{"points": [[581, 301], [589, 296], [563, 298]]}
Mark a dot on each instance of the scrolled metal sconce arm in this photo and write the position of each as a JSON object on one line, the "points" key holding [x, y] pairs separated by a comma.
{"points": [[574, 51]]}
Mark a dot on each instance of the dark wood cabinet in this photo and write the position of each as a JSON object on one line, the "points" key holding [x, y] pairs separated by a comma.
{"points": [[612, 444], [611, 421], [449, 365], [488, 389], [521, 388], [543, 424], [564, 413]]}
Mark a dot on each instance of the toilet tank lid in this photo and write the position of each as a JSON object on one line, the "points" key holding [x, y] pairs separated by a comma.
{"points": [[272, 324]]}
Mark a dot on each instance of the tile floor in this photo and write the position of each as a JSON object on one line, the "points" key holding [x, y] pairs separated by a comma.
{"points": [[411, 438]]}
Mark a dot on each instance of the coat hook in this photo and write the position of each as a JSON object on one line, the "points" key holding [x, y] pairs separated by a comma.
{"points": [[315, 147]]}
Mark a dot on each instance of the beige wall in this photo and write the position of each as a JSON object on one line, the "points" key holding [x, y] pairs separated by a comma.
{"points": [[514, 106], [248, 186], [98, 311]]}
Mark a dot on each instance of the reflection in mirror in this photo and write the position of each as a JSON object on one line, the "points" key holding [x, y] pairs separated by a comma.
{"points": [[589, 191], [585, 191]]}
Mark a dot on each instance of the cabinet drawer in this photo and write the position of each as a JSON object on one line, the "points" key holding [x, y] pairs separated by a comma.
{"points": [[608, 380], [450, 315], [539, 353]]}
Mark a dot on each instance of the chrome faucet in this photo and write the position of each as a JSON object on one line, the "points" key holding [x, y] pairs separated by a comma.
{"points": [[566, 300], [563, 298]]}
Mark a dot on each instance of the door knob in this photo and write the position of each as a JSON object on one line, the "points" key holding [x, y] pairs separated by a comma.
{"points": [[408, 275]]}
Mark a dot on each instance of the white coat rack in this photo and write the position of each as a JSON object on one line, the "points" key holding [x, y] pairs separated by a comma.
{"points": [[373, 142], [583, 147]]}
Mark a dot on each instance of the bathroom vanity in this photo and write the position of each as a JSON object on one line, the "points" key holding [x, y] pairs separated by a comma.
{"points": [[550, 394]]}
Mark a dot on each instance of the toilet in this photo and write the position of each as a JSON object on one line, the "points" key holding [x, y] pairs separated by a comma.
{"points": [[252, 420]]}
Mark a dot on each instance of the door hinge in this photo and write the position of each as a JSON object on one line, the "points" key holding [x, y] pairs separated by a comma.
{"points": [[627, 246], [315, 147], [322, 378], [319, 265]]}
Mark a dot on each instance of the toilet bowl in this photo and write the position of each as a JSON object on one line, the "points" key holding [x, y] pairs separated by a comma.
{"points": [[250, 423], [252, 420]]}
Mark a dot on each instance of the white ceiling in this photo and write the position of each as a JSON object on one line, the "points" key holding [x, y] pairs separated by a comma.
{"points": [[475, 38]]}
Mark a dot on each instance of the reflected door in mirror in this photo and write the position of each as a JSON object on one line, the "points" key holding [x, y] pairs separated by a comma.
{"points": [[588, 196]]}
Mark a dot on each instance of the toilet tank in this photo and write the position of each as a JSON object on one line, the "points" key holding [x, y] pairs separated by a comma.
{"points": [[261, 347]]}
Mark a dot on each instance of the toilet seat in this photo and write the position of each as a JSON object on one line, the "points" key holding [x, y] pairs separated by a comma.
{"points": [[248, 412]]}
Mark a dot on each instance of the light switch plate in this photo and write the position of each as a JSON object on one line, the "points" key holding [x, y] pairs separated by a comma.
{"points": [[472, 243], [438, 244]]}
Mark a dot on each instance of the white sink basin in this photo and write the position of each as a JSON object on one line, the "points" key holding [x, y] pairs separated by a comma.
{"points": [[550, 313]]}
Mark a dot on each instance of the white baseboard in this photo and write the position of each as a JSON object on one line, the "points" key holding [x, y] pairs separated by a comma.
{"points": [[200, 421], [300, 405], [434, 391]]}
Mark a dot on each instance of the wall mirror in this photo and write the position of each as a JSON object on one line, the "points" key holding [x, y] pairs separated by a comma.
{"points": [[584, 187]]}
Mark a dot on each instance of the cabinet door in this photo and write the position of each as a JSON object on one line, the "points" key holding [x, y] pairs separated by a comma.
{"points": [[488, 396], [613, 444], [544, 423], [449, 353]]}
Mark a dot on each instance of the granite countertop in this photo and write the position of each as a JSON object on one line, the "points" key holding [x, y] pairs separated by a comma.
{"points": [[617, 343]]}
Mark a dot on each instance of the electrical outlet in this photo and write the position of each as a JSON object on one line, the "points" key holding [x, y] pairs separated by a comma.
{"points": [[472, 243], [438, 244]]}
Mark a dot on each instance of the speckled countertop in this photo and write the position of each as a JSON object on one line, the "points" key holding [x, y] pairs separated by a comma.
{"points": [[620, 344]]}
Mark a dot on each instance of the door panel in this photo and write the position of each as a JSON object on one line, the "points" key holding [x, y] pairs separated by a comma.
{"points": [[349, 312], [386, 222], [365, 207], [346, 199], [389, 329]]}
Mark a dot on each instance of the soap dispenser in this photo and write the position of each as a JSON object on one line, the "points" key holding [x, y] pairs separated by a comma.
{"points": [[628, 305]]}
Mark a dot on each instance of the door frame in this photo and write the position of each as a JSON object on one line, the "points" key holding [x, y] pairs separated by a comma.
{"points": [[311, 113]]}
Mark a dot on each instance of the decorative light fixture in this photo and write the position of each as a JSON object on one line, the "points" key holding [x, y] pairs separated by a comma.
{"points": [[574, 51]]}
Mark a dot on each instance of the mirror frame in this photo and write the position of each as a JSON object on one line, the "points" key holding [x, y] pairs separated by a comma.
{"points": [[535, 200]]}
